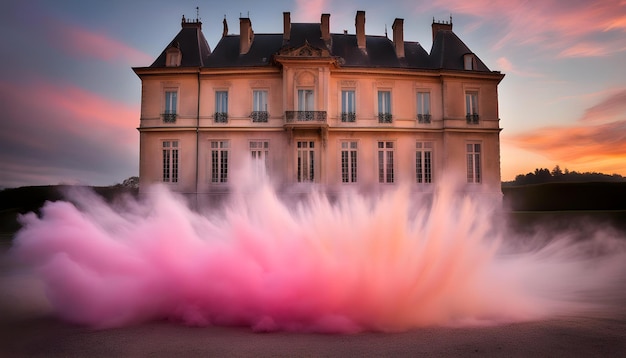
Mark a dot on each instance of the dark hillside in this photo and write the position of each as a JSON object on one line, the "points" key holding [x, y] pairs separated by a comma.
{"points": [[566, 196], [31, 198]]}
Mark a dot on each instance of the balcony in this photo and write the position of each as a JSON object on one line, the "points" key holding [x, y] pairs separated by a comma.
{"points": [[423, 118], [259, 116], [221, 117], [472, 118], [348, 117], [384, 118], [305, 116], [169, 117]]}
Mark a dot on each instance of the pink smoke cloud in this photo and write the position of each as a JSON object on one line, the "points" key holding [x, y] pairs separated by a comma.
{"points": [[350, 265]]}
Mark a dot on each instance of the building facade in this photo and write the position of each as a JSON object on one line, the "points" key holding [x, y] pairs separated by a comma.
{"points": [[335, 109]]}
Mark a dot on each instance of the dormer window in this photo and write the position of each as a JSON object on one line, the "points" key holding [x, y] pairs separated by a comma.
{"points": [[469, 61], [173, 57]]}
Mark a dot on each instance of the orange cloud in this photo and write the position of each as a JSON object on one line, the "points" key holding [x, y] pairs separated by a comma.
{"points": [[596, 142], [555, 25]]}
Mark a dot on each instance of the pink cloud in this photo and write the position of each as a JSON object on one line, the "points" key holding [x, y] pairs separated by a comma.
{"points": [[504, 64], [610, 108], [310, 10], [69, 135], [86, 107], [555, 25], [83, 42]]}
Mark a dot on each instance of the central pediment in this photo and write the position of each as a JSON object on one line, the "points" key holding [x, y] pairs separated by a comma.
{"points": [[306, 50]]}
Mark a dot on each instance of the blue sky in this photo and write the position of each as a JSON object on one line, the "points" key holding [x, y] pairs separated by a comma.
{"points": [[70, 100]]}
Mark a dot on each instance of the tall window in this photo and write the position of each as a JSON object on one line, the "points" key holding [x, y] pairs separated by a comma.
{"points": [[305, 100], [385, 162], [384, 106], [260, 154], [424, 162], [221, 106], [473, 163], [171, 102], [348, 106], [259, 106], [306, 161], [471, 107], [219, 161], [348, 161], [423, 107], [170, 161]]}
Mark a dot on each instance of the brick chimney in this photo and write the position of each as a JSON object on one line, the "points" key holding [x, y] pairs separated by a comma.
{"points": [[286, 26], [360, 28], [398, 36], [245, 35], [325, 27], [441, 26]]}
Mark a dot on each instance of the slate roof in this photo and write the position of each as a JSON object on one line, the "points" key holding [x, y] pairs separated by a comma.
{"points": [[192, 44], [446, 53], [448, 50]]}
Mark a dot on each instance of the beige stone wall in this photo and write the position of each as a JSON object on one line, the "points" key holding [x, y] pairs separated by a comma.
{"points": [[448, 130]]}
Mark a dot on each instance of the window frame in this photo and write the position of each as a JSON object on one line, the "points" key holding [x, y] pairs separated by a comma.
{"points": [[423, 106], [348, 161], [305, 161], [260, 111], [221, 106], [474, 162], [259, 149], [348, 105], [170, 104], [219, 155], [305, 98], [384, 105], [385, 157], [424, 158], [472, 106], [170, 163]]}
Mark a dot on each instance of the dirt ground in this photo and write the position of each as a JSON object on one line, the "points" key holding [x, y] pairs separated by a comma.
{"points": [[45, 336]]}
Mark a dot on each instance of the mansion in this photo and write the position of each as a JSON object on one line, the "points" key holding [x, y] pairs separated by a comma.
{"points": [[335, 109]]}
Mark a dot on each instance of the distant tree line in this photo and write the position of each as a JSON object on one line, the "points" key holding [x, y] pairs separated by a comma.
{"points": [[558, 175]]}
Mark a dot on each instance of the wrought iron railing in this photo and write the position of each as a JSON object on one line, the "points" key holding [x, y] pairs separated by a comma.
{"points": [[348, 117], [384, 118], [221, 117], [472, 118], [423, 118], [169, 117], [305, 116], [259, 116]]}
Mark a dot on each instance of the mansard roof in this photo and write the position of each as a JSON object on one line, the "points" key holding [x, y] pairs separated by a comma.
{"points": [[192, 44], [447, 50]]}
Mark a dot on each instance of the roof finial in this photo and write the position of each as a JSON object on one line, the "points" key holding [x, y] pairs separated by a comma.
{"points": [[197, 13], [450, 19], [386, 31]]}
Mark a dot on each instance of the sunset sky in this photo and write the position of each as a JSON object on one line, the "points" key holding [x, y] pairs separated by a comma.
{"points": [[69, 101]]}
